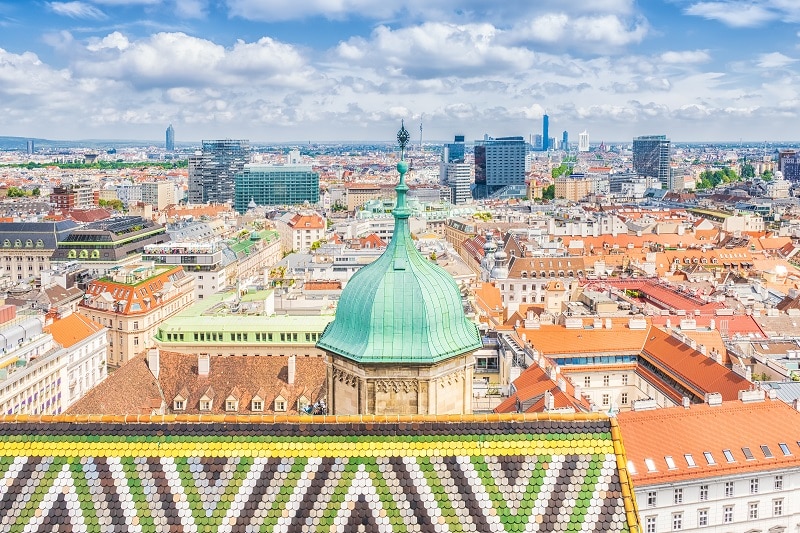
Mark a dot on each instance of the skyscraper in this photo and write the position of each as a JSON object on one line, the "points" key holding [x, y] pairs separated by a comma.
{"points": [[583, 141], [30, 147], [499, 162], [565, 141], [212, 172], [454, 172], [545, 132], [651, 157], [170, 142]]}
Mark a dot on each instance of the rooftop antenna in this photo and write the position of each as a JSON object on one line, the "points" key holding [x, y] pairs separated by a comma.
{"points": [[420, 136]]}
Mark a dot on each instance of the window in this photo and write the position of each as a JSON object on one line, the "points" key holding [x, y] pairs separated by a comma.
{"points": [[136, 341], [624, 379], [703, 493], [728, 456], [784, 449], [178, 405], [587, 381], [606, 399], [709, 458], [702, 517], [651, 498], [778, 483], [747, 454], [766, 451], [728, 489], [754, 486], [777, 507], [727, 514], [690, 460], [677, 496], [650, 524], [280, 404], [606, 380], [257, 405], [231, 405], [624, 398], [205, 405], [135, 325], [670, 462], [677, 521], [752, 510]]}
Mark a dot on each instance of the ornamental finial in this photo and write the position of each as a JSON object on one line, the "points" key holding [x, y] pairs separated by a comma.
{"points": [[402, 138]]}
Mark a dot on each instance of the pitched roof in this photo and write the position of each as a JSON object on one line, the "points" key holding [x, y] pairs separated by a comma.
{"points": [[130, 390], [675, 432], [72, 329], [454, 473]]}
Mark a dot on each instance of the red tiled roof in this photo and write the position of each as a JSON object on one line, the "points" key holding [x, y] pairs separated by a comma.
{"points": [[72, 329], [129, 390], [675, 432]]}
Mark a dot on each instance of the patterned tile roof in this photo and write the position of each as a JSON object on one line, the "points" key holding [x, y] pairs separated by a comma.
{"points": [[234, 474]]}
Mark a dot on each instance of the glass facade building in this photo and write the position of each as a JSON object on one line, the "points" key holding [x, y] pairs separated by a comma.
{"points": [[212, 171], [275, 185], [499, 162], [651, 157]]}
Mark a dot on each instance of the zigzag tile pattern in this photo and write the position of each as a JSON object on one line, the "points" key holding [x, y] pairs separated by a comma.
{"points": [[433, 477]]}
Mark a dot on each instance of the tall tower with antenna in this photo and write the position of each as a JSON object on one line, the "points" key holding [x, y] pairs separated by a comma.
{"points": [[420, 136]]}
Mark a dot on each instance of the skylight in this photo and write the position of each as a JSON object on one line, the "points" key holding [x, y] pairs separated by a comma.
{"points": [[631, 467], [767, 451], [650, 464], [670, 462], [709, 458], [690, 460], [785, 448], [728, 456], [747, 453]]}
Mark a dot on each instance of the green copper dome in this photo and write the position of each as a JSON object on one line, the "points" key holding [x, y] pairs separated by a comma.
{"points": [[402, 308]]}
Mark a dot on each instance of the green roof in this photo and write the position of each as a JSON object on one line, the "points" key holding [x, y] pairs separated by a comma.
{"points": [[402, 308], [243, 245]]}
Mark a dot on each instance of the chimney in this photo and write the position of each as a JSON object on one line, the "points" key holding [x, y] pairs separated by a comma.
{"points": [[203, 364], [154, 361], [562, 384], [686, 402], [578, 392], [608, 323], [549, 401], [291, 364]]}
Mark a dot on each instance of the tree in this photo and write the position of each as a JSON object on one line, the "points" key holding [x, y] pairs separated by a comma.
{"points": [[549, 192], [36, 191], [748, 171], [15, 192], [767, 175]]}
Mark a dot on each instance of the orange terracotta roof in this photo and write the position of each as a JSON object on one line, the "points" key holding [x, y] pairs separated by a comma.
{"points": [[694, 370], [553, 340], [675, 432], [72, 329], [307, 221]]}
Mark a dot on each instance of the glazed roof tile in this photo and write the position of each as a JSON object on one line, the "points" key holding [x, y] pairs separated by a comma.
{"points": [[495, 473], [703, 428]]}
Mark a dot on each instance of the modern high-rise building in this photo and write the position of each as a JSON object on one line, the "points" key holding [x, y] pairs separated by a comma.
{"points": [[170, 141], [545, 132], [789, 165], [259, 184], [499, 162], [455, 173], [651, 157], [212, 171], [565, 141], [583, 141], [30, 147]]}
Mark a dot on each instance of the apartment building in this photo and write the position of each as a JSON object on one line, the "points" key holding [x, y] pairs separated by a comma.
{"points": [[132, 301]]}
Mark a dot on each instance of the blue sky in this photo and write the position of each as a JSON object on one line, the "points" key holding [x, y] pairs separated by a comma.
{"points": [[328, 70]]}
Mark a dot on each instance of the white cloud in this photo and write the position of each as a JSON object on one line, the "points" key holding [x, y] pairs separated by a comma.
{"points": [[448, 50], [191, 9], [685, 57], [774, 60], [76, 10], [167, 60], [568, 31], [736, 14]]}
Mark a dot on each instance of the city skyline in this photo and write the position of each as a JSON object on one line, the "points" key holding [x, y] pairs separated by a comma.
{"points": [[338, 71]]}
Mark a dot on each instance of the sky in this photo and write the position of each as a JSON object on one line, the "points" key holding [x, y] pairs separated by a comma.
{"points": [[350, 70]]}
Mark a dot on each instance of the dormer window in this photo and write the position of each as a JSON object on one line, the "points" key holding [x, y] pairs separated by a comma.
{"points": [[280, 404], [231, 405], [179, 405], [257, 405], [205, 405]]}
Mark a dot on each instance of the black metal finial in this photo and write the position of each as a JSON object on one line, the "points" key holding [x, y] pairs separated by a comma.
{"points": [[402, 138]]}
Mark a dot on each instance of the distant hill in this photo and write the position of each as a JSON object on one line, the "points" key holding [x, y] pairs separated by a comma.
{"points": [[21, 143]]}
